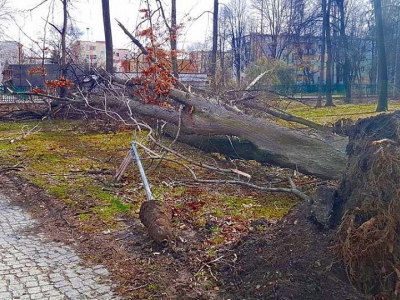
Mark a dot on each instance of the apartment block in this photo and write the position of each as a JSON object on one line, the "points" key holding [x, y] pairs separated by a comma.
{"points": [[89, 53], [10, 53]]}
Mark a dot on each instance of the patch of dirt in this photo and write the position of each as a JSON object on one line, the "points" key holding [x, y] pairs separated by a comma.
{"points": [[291, 260]]}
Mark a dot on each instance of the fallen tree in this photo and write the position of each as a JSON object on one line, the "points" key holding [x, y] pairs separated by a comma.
{"points": [[216, 126], [208, 124], [212, 124]]}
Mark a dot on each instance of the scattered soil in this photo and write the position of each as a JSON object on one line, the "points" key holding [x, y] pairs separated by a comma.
{"points": [[291, 260]]}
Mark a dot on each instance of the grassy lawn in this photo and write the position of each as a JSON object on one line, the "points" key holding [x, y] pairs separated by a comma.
{"points": [[75, 162], [328, 115]]}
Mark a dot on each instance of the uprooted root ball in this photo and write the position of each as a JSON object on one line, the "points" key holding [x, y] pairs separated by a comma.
{"points": [[367, 238]]}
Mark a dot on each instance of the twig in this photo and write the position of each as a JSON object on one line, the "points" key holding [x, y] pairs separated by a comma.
{"points": [[137, 288], [208, 264], [3, 170]]}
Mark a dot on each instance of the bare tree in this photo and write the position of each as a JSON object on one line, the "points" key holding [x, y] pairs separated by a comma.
{"points": [[238, 18], [213, 70], [174, 37], [382, 66], [108, 35], [345, 49], [275, 22], [329, 65], [322, 60]]}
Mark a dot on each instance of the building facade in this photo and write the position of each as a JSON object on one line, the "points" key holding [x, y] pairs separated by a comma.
{"points": [[121, 58], [92, 54], [304, 54], [10, 53]]}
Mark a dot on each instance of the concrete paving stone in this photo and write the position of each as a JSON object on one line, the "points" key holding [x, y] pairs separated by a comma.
{"points": [[38, 296], [27, 278], [33, 290], [45, 288], [52, 293], [60, 284], [57, 298], [25, 297], [30, 284], [5, 296], [32, 267]]}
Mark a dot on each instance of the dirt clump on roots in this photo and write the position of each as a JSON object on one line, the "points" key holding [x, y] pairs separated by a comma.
{"points": [[367, 209]]}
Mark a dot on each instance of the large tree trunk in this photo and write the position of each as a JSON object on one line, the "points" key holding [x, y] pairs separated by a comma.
{"points": [[173, 37], [382, 65], [63, 66], [345, 44], [108, 35], [329, 101], [251, 137], [213, 70], [321, 79]]}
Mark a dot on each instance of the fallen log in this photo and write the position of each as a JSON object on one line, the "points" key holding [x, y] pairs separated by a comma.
{"points": [[259, 139]]}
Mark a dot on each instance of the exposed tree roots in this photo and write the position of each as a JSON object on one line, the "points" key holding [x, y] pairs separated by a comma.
{"points": [[367, 238]]}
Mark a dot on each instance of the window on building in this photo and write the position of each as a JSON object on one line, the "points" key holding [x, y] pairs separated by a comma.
{"points": [[92, 48], [87, 56], [117, 54]]}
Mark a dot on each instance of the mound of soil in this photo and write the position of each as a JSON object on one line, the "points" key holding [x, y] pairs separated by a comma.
{"points": [[292, 260]]}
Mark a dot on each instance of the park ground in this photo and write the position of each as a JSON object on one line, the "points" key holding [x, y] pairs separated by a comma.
{"points": [[232, 242]]}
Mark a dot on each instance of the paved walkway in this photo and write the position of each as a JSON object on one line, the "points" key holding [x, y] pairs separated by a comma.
{"points": [[32, 267]]}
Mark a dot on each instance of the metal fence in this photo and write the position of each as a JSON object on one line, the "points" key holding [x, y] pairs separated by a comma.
{"points": [[10, 95], [360, 90]]}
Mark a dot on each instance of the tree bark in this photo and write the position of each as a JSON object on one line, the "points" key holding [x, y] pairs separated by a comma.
{"points": [[382, 65], [213, 70], [173, 37], [108, 35], [322, 62], [64, 46], [329, 101], [345, 48]]}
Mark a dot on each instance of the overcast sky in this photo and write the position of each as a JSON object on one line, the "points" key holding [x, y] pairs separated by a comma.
{"points": [[88, 14]]}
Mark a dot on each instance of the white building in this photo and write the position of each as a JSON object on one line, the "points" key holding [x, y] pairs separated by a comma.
{"points": [[10, 53]]}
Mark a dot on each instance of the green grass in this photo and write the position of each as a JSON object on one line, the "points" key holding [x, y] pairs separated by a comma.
{"points": [[329, 115], [56, 158]]}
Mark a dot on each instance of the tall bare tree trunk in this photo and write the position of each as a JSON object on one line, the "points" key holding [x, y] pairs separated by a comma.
{"points": [[173, 36], [213, 70], [329, 101], [345, 48], [322, 63], [382, 65], [108, 35], [64, 45]]}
